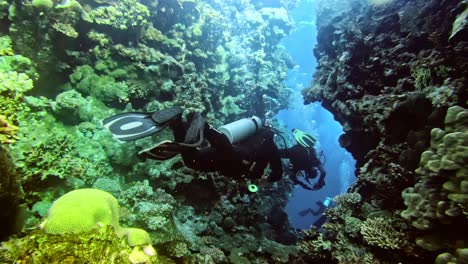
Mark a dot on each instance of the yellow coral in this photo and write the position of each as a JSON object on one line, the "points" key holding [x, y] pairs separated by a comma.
{"points": [[84, 210], [7, 131]]}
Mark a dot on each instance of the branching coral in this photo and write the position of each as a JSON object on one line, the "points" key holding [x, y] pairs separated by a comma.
{"points": [[14, 82], [151, 209], [381, 233], [314, 244]]}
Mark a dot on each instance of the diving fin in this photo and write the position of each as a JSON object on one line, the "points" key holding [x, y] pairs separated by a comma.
{"points": [[164, 150], [304, 138], [133, 126]]}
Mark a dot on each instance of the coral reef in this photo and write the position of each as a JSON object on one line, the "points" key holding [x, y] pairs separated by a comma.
{"points": [[438, 201], [390, 73], [101, 245], [9, 194], [85, 210], [66, 65]]}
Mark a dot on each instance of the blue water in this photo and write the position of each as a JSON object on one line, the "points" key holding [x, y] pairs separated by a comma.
{"points": [[314, 119]]}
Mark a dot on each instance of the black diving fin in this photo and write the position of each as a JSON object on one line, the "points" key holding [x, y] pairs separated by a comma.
{"points": [[133, 125]]}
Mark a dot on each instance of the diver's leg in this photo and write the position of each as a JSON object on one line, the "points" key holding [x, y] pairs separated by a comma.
{"points": [[320, 209], [218, 140], [318, 224], [193, 134], [166, 115]]}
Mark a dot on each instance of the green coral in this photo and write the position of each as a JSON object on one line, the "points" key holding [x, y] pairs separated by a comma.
{"points": [[86, 210], [48, 148], [123, 15], [81, 211], [15, 83], [422, 76], [381, 232], [440, 195], [6, 48], [16, 78], [43, 4], [100, 245], [230, 105], [70, 4], [314, 244], [104, 88], [460, 23], [66, 29], [101, 38], [460, 256], [3, 9]]}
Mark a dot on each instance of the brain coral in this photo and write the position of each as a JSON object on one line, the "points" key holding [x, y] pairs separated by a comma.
{"points": [[81, 211], [87, 209]]}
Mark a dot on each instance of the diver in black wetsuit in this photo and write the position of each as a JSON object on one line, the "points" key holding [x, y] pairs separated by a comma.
{"points": [[322, 207], [303, 157], [242, 152]]}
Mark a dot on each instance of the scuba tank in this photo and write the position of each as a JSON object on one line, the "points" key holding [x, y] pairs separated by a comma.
{"points": [[241, 129]]}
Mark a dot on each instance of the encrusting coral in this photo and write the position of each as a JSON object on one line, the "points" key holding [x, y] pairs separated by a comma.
{"points": [[439, 199]]}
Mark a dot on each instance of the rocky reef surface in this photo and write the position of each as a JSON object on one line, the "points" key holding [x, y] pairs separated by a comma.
{"points": [[394, 74], [66, 65]]}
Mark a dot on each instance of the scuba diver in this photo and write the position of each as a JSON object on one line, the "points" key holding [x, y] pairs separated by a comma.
{"points": [[322, 207], [241, 150], [303, 157]]}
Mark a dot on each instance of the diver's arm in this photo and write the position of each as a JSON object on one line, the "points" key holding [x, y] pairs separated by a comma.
{"points": [[293, 177], [321, 181], [284, 153], [274, 159]]}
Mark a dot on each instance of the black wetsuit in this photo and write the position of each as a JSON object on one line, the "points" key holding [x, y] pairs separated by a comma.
{"points": [[303, 159], [247, 159]]}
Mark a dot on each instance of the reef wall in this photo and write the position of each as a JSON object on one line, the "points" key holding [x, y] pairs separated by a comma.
{"points": [[66, 65], [393, 73]]}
